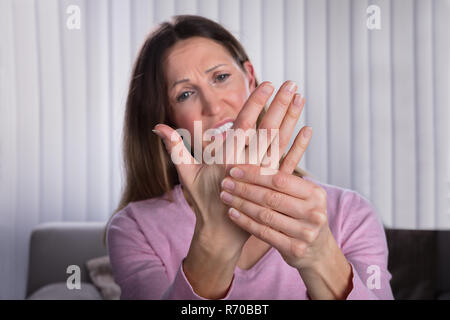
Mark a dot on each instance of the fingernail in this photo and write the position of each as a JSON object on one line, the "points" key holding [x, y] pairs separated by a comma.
{"points": [[228, 184], [236, 172], [307, 132], [233, 213], [267, 89], [226, 197], [297, 100], [291, 87], [158, 133]]}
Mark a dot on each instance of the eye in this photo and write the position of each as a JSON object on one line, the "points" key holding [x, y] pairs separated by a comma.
{"points": [[222, 77], [183, 96]]}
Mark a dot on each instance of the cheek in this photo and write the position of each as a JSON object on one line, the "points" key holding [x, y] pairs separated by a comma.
{"points": [[185, 120], [238, 98]]}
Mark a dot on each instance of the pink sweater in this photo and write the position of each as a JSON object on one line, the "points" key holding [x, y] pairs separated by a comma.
{"points": [[148, 240]]}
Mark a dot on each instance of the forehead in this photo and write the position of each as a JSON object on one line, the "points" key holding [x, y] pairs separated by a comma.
{"points": [[194, 54]]}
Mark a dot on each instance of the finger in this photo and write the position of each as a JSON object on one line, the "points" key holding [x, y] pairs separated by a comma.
{"points": [[246, 119], [293, 207], [280, 181], [279, 106], [291, 227], [272, 121], [297, 150], [283, 243], [244, 126], [187, 167], [290, 120], [285, 132]]}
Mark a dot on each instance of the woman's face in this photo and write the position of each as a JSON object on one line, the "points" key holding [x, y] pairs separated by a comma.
{"points": [[205, 84]]}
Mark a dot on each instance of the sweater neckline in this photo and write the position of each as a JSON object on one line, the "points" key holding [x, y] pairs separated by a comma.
{"points": [[256, 267]]}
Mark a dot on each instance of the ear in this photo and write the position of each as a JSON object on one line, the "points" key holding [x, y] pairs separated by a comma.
{"points": [[250, 73]]}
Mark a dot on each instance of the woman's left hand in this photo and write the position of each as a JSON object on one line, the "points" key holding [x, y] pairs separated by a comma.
{"points": [[284, 210]]}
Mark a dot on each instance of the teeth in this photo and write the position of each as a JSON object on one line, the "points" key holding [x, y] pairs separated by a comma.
{"points": [[223, 128]]}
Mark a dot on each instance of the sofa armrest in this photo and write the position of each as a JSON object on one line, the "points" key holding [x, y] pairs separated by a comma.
{"points": [[443, 263], [56, 245]]}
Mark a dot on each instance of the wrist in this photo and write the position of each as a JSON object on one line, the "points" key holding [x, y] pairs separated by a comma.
{"points": [[330, 276], [213, 245], [208, 271]]}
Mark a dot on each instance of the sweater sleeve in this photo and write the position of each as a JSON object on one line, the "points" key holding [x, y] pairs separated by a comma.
{"points": [[364, 244], [137, 269]]}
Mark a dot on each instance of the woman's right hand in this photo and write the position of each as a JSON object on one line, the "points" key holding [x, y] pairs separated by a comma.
{"points": [[202, 181]]}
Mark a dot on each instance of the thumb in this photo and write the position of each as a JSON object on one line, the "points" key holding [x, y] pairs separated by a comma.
{"points": [[185, 164]]}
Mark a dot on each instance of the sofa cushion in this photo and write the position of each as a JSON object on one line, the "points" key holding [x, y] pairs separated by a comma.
{"points": [[59, 291], [101, 275]]}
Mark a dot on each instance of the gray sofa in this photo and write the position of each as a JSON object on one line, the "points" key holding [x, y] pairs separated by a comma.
{"points": [[57, 245], [419, 262]]}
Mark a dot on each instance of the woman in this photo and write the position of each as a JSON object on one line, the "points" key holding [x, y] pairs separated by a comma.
{"points": [[196, 230]]}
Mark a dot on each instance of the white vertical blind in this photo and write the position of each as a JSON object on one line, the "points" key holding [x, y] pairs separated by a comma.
{"points": [[27, 130], [229, 13], [425, 148], [294, 54], [251, 33], [51, 106], [273, 42], [316, 86], [403, 114], [99, 198], [377, 100], [441, 71], [8, 152], [208, 9], [74, 75], [380, 97], [120, 68], [164, 9], [186, 7], [360, 144], [338, 96], [142, 15]]}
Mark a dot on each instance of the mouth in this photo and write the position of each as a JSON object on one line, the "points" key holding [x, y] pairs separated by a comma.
{"points": [[222, 128]]}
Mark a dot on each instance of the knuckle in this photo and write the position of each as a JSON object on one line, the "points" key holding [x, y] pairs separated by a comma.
{"points": [[319, 218], [252, 173], [319, 193], [311, 191], [293, 113], [238, 202], [310, 235], [290, 163], [301, 143], [279, 180], [259, 99], [266, 216], [283, 141], [242, 188], [273, 199], [264, 232], [245, 124], [297, 249], [284, 100]]}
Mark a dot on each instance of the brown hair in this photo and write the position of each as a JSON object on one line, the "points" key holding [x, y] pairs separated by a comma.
{"points": [[149, 171]]}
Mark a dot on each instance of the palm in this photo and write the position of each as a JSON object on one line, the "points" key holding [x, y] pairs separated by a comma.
{"points": [[202, 183]]}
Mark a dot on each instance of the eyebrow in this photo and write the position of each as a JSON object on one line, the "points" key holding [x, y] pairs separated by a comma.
{"points": [[207, 71]]}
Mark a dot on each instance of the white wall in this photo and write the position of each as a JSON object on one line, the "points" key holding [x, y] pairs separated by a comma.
{"points": [[377, 100]]}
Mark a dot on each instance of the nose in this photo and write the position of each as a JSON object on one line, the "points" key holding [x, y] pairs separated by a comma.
{"points": [[210, 102]]}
